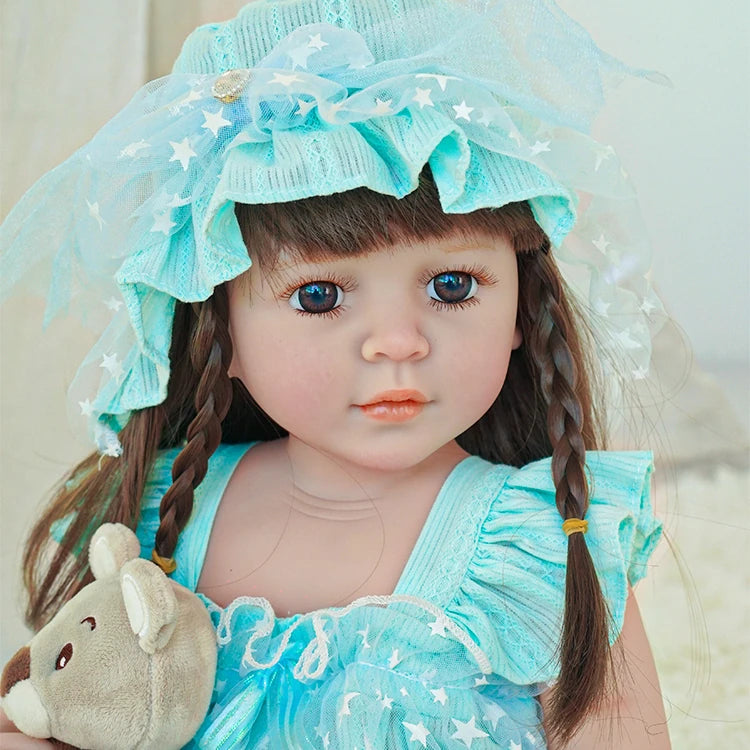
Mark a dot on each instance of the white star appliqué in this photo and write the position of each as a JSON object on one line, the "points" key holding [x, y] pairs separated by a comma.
{"points": [[304, 107], [133, 148], [326, 741], [331, 110], [285, 80], [299, 56], [403, 691], [192, 96], [485, 119], [317, 42], [385, 700], [480, 681], [626, 340], [438, 626], [419, 732], [539, 147], [345, 710], [514, 135], [177, 202], [182, 152], [423, 98], [113, 304], [442, 80], [112, 366], [163, 223], [463, 111], [493, 714], [364, 633], [87, 408], [94, 212], [467, 732], [601, 244], [514, 746], [215, 121], [440, 696], [394, 659], [601, 307], [382, 108], [602, 154]]}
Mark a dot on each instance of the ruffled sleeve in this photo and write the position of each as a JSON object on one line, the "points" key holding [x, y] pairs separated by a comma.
{"points": [[511, 598]]}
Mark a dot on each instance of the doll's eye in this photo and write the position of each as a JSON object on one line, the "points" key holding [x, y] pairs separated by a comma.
{"points": [[90, 621], [317, 297], [452, 287], [65, 655]]}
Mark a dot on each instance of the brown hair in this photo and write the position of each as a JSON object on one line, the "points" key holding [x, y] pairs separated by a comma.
{"points": [[544, 408]]}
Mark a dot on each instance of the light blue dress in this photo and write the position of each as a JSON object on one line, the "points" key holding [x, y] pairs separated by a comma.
{"points": [[457, 655]]}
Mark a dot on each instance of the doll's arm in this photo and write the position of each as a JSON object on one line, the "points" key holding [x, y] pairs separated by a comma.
{"points": [[641, 724]]}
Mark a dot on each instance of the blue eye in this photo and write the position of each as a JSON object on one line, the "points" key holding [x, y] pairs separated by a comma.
{"points": [[452, 287], [317, 297]]}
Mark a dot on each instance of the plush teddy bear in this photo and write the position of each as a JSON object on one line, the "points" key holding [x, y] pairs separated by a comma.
{"points": [[129, 662]]}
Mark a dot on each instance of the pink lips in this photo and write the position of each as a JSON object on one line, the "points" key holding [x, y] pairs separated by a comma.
{"points": [[394, 406]]}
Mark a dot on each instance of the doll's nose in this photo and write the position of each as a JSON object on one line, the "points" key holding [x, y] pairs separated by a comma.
{"points": [[17, 669], [394, 336]]}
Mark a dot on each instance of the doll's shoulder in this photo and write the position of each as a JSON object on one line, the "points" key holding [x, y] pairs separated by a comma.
{"points": [[193, 541], [512, 591]]}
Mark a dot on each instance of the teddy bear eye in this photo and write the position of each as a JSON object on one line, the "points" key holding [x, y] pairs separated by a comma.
{"points": [[65, 655], [90, 620]]}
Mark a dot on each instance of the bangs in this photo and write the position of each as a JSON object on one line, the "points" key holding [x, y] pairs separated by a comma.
{"points": [[361, 221]]}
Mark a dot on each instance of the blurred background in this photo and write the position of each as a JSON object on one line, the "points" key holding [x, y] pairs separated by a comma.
{"points": [[66, 68]]}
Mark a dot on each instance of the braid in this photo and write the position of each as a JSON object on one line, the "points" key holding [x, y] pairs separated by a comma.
{"points": [[554, 348], [210, 354]]}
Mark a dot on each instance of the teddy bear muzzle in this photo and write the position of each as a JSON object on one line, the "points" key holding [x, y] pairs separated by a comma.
{"points": [[20, 700], [17, 669]]}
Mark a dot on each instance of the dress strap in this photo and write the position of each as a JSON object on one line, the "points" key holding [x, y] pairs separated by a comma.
{"points": [[193, 542]]}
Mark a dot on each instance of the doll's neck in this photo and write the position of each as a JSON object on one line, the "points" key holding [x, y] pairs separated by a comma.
{"points": [[328, 478]]}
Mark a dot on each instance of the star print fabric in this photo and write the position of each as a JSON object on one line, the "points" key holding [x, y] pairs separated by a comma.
{"points": [[457, 654], [311, 97], [390, 683]]}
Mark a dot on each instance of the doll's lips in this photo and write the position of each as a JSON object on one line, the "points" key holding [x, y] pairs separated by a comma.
{"points": [[394, 406]]}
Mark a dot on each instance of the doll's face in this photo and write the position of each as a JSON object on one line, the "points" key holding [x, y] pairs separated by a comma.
{"points": [[315, 343]]}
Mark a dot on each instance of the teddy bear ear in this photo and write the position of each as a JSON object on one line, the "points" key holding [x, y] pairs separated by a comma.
{"points": [[111, 547], [150, 602]]}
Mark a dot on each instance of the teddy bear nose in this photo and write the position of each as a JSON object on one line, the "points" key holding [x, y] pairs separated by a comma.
{"points": [[17, 669]]}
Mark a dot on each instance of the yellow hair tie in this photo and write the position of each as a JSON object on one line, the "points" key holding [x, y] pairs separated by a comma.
{"points": [[167, 564], [574, 525]]}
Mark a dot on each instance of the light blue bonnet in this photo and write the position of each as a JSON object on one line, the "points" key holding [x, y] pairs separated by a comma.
{"points": [[296, 98]]}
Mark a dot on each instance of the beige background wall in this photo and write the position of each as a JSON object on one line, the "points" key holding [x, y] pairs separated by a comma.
{"points": [[67, 67]]}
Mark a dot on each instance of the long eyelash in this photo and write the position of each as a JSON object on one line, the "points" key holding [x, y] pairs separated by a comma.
{"points": [[345, 282], [482, 274], [440, 305], [327, 314]]}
